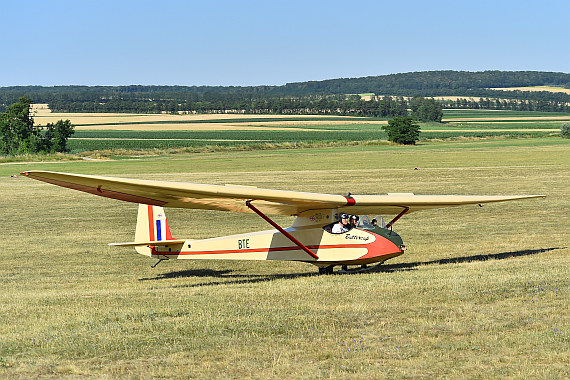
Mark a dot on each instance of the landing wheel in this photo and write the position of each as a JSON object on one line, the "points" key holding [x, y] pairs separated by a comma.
{"points": [[326, 270]]}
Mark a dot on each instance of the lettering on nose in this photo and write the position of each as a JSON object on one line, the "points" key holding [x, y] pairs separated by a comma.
{"points": [[356, 237], [243, 243]]}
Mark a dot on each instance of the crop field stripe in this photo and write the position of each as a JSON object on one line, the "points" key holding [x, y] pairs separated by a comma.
{"points": [[499, 113], [514, 120], [230, 120]]}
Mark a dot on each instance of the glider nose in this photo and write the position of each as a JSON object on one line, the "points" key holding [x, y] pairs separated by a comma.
{"points": [[391, 236]]}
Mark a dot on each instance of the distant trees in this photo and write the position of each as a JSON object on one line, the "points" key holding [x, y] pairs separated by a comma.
{"points": [[209, 102], [434, 83], [386, 106], [56, 135], [19, 135], [402, 130], [565, 130], [541, 105], [426, 109], [328, 97], [425, 83]]}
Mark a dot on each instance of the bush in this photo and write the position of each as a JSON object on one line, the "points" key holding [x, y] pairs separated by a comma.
{"points": [[402, 130], [565, 130]]}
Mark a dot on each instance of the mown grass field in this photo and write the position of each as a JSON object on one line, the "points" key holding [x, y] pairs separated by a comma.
{"points": [[480, 293]]}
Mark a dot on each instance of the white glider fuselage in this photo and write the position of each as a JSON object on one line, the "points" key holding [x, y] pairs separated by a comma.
{"points": [[353, 247], [357, 246]]}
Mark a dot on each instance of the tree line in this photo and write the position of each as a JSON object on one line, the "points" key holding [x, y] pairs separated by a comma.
{"points": [[310, 105], [541, 105], [353, 105], [385, 106], [425, 84]]}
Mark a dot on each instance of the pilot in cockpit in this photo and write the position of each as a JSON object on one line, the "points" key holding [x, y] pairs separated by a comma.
{"points": [[342, 225]]}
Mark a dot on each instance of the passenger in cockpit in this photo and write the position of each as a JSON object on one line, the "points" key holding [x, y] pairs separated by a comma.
{"points": [[353, 221]]}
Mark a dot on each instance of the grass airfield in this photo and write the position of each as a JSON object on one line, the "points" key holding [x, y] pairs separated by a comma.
{"points": [[480, 293]]}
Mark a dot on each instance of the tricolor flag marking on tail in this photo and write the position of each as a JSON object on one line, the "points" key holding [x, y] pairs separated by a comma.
{"points": [[157, 224]]}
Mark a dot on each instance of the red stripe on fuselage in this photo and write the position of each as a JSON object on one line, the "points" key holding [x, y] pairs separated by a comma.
{"points": [[150, 222], [260, 250], [380, 247]]}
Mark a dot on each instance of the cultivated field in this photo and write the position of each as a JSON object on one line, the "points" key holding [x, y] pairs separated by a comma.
{"points": [[120, 134], [535, 88], [480, 293], [196, 122]]}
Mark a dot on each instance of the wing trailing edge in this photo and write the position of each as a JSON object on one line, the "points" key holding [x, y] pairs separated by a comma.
{"points": [[269, 201]]}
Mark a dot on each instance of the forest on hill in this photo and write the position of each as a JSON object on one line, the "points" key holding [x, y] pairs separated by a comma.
{"points": [[334, 96], [433, 83]]}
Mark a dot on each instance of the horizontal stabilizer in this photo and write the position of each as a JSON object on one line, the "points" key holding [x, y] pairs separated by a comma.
{"points": [[156, 243]]}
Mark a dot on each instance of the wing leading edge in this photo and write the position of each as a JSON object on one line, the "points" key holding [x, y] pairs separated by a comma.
{"points": [[233, 198]]}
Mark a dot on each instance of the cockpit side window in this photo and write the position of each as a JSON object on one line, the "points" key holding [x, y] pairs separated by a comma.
{"points": [[378, 221], [364, 221], [367, 223]]}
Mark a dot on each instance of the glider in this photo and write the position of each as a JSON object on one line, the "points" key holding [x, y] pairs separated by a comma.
{"points": [[310, 239]]}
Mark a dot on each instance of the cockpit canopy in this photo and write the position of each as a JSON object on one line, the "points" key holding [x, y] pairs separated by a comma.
{"points": [[365, 223]]}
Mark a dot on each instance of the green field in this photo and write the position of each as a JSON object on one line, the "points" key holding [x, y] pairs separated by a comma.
{"points": [[452, 114], [304, 131], [88, 141], [480, 293]]}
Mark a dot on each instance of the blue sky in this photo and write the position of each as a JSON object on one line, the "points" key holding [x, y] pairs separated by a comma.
{"points": [[243, 43]]}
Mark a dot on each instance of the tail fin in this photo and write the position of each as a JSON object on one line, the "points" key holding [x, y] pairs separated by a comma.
{"points": [[151, 226], [152, 231]]}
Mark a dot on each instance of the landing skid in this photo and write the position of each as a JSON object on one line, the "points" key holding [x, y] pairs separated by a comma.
{"points": [[345, 270], [326, 270], [359, 269]]}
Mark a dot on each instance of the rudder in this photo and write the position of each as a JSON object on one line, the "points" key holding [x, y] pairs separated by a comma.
{"points": [[151, 226]]}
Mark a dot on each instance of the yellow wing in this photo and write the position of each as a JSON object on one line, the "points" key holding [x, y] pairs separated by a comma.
{"points": [[233, 198]]}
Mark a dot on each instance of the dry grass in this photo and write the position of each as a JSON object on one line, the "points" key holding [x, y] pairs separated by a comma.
{"points": [[481, 292]]}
